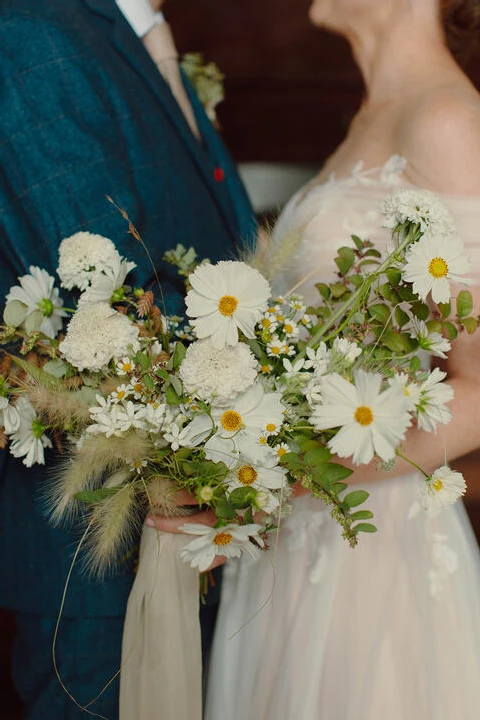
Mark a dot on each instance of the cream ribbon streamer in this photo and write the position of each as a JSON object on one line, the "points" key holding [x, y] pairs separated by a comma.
{"points": [[161, 676]]}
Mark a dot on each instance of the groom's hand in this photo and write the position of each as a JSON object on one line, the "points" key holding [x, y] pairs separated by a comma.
{"points": [[173, 524]]}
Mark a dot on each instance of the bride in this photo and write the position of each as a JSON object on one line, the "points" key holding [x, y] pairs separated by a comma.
{"points": [[390, 630]]}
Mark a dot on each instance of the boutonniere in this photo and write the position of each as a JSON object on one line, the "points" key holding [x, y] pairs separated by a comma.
{"points": [[207, 80]]}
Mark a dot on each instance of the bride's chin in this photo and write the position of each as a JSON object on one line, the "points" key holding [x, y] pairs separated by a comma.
{"points": [[320, 15]]}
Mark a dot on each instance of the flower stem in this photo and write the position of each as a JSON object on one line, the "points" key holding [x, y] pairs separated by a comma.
{"points": [[410, 462]]}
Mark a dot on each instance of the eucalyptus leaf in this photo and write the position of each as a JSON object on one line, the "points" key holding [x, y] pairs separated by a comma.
{"points": [[345, 259], [338, 289], [361, 515], [381, 312], [464, 303], [401, 317], [445, 309], [450, 330], [354, 498], [470, 324], [364, 527], [324, 290], [317, 456]]}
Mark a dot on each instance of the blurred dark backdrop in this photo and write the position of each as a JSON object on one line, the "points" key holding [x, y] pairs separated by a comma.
{"points": [[291, 91]]}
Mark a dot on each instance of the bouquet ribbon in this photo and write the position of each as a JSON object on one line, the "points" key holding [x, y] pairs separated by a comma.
{"points": [[161, 673]]}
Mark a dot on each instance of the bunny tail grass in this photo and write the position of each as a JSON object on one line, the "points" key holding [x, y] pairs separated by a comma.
{"points": [[273, 256], [115, 522], [160, 494], [96, 458], [62, 408]]}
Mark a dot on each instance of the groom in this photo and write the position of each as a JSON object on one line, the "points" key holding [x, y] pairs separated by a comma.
{"points": [[91, 104]]}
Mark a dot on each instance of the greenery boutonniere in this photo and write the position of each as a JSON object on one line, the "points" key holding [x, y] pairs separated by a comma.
{"points": [[207, 80]]}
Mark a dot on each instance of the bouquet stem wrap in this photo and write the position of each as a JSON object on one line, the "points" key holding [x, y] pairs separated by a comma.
{"points": [[161, 653]]}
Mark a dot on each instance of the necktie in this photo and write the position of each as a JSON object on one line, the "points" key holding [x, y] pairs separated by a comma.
{"points": [[161, 47]]}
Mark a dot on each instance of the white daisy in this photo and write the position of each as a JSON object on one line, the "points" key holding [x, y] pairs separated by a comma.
{"points": [[443, 487], [82, 256], [432, 263], [432, 342], [410, 389], [225, 298], [29, 440], [37, 293], [217, 375], [97, 334], [9, 416], [125, 366], [229, 541], [431, 406], [370, 421]]}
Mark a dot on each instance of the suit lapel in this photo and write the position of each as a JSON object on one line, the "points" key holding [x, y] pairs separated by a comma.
{"points": [[128, 45]]}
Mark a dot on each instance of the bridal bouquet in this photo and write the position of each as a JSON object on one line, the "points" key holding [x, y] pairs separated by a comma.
{"points": [[256, 394]]}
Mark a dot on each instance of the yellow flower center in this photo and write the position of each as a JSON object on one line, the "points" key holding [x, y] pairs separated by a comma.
{"points": [[437, 484], [222, 538], [262, 440], [281, 451], [275, 350], [126, 367], [138, 387], [406, 391], [231, 420], [280, 318], [438, 267], [271, 427], [227, 305], [120, 394], [266, 323], [363, 415], [265, 368], [247, 475], [288, 328]]}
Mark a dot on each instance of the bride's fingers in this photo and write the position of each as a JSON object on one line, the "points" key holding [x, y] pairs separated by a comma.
{"points": [[173, 524], [219, 560], [183, 497]]}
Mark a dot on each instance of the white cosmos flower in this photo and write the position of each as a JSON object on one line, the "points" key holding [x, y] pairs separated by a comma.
{"points": [[106, 281], [370, 421], [431, 406], [82, 256], [9, 416], [443, 487], [432, 263], [28, 440], [225, 298], [229, 541], [243, 425], [217, 375], [97, 334], [37, 292], [432, 342], [411, 390], [421, 207], [259, 477]]}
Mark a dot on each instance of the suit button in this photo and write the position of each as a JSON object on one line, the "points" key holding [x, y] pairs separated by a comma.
{"points": [[219, 174]]}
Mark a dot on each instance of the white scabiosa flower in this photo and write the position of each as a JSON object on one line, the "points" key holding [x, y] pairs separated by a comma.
{"points": [[37, 293], [82, 256], [421, 207], [432, 342], [9, 416], [106, 282], [29, 440], [242, 425], [225, 298], [229, 541], [97, 334], [217, 375], [432, 263], [347, 348], [443, 487], [431, 406], [370, 420]]}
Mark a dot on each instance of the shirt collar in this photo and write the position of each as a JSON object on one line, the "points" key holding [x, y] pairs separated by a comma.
{"points": [[140, 15]]}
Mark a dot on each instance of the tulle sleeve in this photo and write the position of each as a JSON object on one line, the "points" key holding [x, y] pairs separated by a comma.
{"points": [[466, 212]]}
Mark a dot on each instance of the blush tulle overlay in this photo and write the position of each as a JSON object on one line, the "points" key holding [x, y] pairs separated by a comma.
{"points": [[314, 630]]}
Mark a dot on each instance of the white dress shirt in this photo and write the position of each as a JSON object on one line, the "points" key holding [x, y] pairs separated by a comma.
{"points": [[140, 15]]}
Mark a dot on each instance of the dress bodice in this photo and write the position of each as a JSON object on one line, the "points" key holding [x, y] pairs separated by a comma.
{"points": [[321, 218]]}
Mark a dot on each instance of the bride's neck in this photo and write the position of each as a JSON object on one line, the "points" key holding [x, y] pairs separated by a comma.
{"points": [[400, 59]]}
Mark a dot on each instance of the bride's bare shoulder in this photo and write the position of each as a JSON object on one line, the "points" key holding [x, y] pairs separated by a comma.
{"points": [[439, 135]]}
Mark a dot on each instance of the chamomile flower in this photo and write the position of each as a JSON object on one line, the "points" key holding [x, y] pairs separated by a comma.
{"points": [[443, 487], [137, 464], [37, 293], [120, 393], [433, 342], [431, 406], [225, 298], [432, 263], [370, 420], [125, 366], [281, 449], [276, 347], [229, 541], [290, 328]]}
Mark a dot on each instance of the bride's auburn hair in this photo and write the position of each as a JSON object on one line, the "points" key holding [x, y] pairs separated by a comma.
{"points": [[461, 21]]}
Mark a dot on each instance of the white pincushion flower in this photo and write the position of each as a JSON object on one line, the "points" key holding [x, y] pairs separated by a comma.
{"points": [[432, 342], [349, 349], [97, 334], [242, 425], [431, 406], [421, 207], [82, 256], [106, 282], [229, 541], [37, 292], [9, 416], [443, 487], [432, 263], [217, 375], [370, 420], [225, 298], [28, 440]]}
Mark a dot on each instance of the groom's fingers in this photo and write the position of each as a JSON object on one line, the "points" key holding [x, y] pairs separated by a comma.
{"points": [[173, 524]]}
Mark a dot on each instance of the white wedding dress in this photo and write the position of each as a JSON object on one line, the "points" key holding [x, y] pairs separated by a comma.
{"points": [[390, 630]]}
